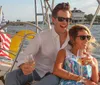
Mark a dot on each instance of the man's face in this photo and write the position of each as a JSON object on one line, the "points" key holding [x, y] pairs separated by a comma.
{"points": [[61, 21]]}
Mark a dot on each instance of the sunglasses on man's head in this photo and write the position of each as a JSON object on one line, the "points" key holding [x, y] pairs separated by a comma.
{"points": [[61, 19], [83, 37]]}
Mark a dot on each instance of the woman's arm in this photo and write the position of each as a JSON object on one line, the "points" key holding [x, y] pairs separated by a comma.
{"points": [[60, 71]]}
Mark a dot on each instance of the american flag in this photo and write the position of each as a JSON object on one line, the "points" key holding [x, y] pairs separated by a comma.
{"points": [[4, 38]]}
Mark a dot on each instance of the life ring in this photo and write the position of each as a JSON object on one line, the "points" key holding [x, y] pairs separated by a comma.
{"points": [[17, 39]]}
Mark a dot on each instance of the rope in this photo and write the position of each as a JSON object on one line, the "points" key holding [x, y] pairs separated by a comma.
{"points": [[98, 9]]}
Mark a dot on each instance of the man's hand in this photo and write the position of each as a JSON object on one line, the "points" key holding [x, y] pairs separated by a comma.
{"points": [[27, 68]]}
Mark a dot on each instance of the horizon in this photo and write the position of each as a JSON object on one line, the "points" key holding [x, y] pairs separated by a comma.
{"points": [[24, 9]]}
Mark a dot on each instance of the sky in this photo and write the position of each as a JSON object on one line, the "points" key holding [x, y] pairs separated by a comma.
{"points": [[24, 9]]}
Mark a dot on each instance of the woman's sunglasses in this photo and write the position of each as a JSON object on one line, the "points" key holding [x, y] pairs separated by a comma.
{"points": [[83, 37], [61, 19]]}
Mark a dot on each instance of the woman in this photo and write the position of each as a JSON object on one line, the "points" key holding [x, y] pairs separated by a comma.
{"points": [[80, 39]]}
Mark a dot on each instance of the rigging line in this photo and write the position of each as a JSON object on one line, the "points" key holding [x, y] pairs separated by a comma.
{"points": [[53, 3], [49, 5], [42, 10], [91, 24], [98, 9]]}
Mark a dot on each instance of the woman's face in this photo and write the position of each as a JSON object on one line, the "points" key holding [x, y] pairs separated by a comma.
{"points": [[82, 40]]}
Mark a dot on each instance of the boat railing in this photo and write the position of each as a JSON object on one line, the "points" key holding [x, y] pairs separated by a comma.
{"points": [[21, 46], [19, 23], [16, 54], [23, 37]]}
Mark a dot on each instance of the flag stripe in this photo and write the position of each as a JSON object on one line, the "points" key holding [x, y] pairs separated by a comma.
{"points": [[5, 44]]}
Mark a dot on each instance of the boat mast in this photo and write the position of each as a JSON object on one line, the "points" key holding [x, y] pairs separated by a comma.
{"points": [[45, 12]]}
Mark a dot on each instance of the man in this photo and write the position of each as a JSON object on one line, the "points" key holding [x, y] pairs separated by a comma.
{"points": [[44, 48]]}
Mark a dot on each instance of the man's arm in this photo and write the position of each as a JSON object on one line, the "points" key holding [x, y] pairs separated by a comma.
{"points": [[32, 48]]}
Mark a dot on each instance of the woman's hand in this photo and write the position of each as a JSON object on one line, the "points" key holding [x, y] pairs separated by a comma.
{"points": [[88, 60], [89, 82]]}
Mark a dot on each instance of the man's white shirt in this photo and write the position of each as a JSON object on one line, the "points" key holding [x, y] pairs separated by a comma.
{"points": [[44, 48]]}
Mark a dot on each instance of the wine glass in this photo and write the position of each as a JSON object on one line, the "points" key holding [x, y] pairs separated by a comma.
{"points": [[30, 60], [80, 55]]}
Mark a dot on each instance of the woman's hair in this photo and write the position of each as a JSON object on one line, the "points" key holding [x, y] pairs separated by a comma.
{"points": [[73, 33], [61, 6]]}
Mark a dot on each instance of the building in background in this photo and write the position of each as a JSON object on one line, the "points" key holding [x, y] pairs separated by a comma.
{"points": [[78, 16]]}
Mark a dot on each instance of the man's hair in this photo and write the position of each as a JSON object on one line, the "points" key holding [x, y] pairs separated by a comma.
{"points": [[60, 6]]}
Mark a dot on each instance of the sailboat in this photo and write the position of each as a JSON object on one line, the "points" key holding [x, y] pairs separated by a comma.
{"points": [[46, 8]]}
